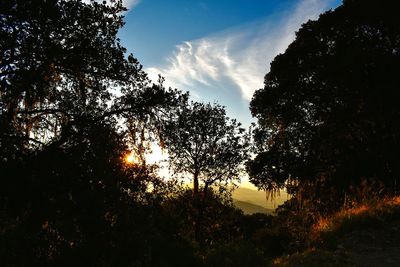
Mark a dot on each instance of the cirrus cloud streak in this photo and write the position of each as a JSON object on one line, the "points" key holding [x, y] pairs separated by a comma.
{"points": [[237, 58]]}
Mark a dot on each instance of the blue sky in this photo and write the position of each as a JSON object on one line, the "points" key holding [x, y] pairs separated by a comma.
{"points": [[218, 50]]}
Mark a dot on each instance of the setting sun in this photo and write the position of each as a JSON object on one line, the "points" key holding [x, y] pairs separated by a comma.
{"points": [[131, 158], [153, 156]]}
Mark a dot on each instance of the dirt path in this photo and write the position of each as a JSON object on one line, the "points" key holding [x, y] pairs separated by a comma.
{"points": [[374, 246]]}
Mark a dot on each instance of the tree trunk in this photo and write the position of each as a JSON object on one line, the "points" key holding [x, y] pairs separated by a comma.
{"points": [[196, 185], [196, 206]]}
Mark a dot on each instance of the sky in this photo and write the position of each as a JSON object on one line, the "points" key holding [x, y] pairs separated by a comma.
{"points": [[218, 50]]}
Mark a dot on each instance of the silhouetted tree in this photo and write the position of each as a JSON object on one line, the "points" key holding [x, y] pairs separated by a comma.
{"points": [[58, 58], [328, 114], [60, 62], [66, 194], [203, 142]]}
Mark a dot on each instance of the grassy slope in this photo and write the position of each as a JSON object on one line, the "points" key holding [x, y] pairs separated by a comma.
{"points": [[366, 235]]}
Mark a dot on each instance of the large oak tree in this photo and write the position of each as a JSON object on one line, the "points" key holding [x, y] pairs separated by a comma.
{"points": [[66, 196], [328, 114]]}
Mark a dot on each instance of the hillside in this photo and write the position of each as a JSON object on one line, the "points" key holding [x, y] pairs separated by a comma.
{"points": [[249, 208], [366, 236], [258, 198]]}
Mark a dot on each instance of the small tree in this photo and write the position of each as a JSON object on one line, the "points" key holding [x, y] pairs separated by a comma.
{"points": [[203, 142]]}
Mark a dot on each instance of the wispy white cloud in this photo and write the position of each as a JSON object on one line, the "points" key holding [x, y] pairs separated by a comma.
{"points": [[130, 3], [126, 3], [239, 57]]}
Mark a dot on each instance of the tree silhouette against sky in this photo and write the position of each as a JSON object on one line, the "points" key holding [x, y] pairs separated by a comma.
{"points": [[328, 112]]}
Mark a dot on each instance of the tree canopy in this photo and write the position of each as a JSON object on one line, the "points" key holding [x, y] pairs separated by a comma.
{"points": [[61, 67], [203, 142], [66, 194], [328, 113]]}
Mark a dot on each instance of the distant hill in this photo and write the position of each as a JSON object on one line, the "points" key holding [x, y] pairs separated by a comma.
{"points": [[258, 198], [249, 208]]}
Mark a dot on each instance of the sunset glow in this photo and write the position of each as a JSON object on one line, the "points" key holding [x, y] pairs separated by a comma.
{"points": [[152, 157], [131, 158], [156, 154]]}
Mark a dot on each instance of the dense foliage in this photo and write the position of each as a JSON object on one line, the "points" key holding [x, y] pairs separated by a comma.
{"points": [[72, 106], [67, 196], [328, 115]]}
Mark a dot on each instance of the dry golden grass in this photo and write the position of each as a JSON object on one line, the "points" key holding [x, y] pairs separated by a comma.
{"points": [[363, 233], [374, 209]]}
